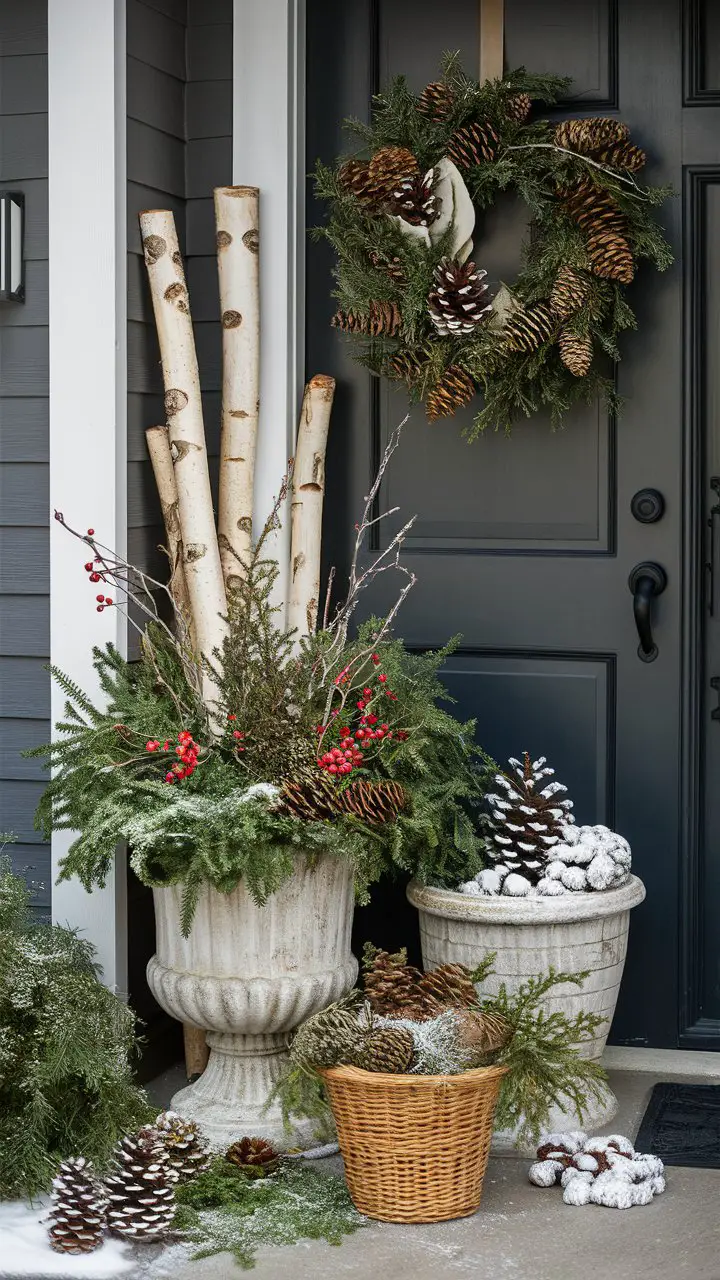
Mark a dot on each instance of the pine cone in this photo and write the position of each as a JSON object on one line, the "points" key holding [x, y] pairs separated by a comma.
{"points": [[310, 797], [569, 292], [590, 134], [485, 1034], [383, 317], [529, 328], [388, 1049], [407, 367], [622, 155], [141, 1197], [436, 101], [458, 300], [388, 168], [374, 802], [528, 817], [473, 144], [576, 352], [355, 177], [518, 107], [392, 986], [187, 1150], [413, 200], [77, 1209], [332, 1036], [610, 256], [391, 266], [594, 209], [455, 389], [254, 1156], [450, 986]]}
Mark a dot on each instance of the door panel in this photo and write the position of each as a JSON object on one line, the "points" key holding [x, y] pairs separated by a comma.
{"points": [[524, 544]]}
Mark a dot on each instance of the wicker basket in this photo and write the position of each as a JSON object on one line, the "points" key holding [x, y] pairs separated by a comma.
{"points": [[415, 1147]]}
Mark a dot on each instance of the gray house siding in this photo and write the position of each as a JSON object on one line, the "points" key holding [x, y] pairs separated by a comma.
{"points": [[179, 86], [24, 501]]}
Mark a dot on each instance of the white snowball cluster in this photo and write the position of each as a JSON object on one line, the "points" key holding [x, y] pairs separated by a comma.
{"points": [[605, 1171], [589, 859]]}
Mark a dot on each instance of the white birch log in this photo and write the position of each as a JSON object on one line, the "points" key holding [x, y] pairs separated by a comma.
{"points": [[308, 493], [236, 221], [186, 432], [158, 443]]}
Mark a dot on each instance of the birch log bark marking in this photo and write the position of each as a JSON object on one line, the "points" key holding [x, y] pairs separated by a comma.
{"points": [[158, 443], [236, 220], [186, 433], [308, 492]]}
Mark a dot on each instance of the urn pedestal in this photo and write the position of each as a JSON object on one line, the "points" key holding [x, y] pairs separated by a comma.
{"points": [[250, 975], [573, 932]]}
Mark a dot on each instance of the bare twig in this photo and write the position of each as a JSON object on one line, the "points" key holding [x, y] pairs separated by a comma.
{"points": [[553, 146]]}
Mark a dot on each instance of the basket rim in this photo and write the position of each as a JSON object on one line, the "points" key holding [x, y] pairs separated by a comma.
{"points": [[484, 1075]]}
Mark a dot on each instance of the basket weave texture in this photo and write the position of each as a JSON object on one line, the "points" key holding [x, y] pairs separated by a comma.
{"points": [[415, 1147]]}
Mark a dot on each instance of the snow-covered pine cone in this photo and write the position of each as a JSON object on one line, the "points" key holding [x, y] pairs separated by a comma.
{"points": [[255, 1156], [458, 300], [413, 200], [141, 1194], [77, 1209], [529, 817], [187, 1150]]}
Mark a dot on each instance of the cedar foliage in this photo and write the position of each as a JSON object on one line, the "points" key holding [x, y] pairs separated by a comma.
{"points": [[65, 1046], [527, 163]]}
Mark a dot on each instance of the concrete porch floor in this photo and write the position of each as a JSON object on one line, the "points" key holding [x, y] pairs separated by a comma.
{"points": [[521, 1232]]}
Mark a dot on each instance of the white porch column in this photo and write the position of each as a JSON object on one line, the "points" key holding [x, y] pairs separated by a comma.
{"points": [[87, 250], [269, 152]]}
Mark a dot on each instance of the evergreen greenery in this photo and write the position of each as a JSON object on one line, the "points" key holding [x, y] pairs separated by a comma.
{"points": [[65, 1043], [528, 164], [224, 1209]]}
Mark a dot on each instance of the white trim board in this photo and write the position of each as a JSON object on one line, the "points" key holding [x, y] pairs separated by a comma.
{"points": [[269, 153], [88, 291]]}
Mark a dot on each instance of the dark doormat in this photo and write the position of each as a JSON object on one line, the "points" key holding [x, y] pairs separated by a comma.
{"points": [[682, 1125]]}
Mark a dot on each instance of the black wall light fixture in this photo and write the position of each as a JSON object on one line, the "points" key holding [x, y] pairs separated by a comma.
{"points": [[12, 232]]}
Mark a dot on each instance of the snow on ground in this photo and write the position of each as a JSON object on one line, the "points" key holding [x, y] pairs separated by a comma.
{"points": [[25, 1251]]}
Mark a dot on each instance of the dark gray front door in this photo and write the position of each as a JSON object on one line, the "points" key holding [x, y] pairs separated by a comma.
{"points": [[525, 545]]}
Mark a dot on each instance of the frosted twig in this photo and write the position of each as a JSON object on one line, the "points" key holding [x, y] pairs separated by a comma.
{"points": [[553, 146]]}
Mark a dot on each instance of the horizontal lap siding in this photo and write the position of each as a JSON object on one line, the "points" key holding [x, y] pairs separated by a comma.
{"points": [[24, 486]]}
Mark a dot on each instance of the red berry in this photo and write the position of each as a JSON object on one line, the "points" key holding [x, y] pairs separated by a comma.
{"points": [[319, 728], [231, 716], [367, 693], [360, 733], [237, 734], [90, 533], [332, 768], [361, 705], [94, 577], [150, 746], [382, 679], [379, 733], [100, 608], [100, 599], [88, 566], [108, 600], [375, 657], [166, 746], [169, 777]]}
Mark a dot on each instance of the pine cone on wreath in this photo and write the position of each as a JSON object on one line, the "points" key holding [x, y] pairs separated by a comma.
{"points": [[569, 293], [407, 367], [413, 200], [77, 1209], [454, 389], [590, 134], [436, 101], [391, 266], [141, 1195], [382, 317], [354, 177], [528, 817], [576, 352], [518, 107], [529, 328], [187, 1150], [458, 300], [473, 144], [450, 986], [254, 1156], [610, 257], [388, 168], [622, 155], [374, 802], [594, 209], [310, 797], [392, 986], [388, 1049]]}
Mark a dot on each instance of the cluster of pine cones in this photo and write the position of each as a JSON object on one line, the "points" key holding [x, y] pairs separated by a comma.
{"points": [[313, 797], [137, 1200], [359, 1030]]}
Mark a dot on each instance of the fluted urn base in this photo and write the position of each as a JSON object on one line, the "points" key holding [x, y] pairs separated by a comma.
{"points": [[250, 975]]}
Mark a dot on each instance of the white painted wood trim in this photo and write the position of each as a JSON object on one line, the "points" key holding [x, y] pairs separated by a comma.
{"points": [[269, 153], [88, 384]]}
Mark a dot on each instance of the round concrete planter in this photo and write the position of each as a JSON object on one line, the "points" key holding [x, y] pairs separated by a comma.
{"points": [[572, 932], [250, 975]]}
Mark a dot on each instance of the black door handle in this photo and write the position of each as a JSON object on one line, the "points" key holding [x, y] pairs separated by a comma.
{"points": [[646, 581]]}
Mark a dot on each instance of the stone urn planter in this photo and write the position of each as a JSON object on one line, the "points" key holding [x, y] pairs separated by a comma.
{"points": [[575, 931], [250, 974]]}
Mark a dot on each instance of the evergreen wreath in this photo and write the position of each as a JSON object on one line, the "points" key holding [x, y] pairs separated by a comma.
{"points": [[402, 220]]}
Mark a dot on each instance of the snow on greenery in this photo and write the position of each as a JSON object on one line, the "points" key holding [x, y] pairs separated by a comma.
{"points": [[223, 1209], [65, 1042]]}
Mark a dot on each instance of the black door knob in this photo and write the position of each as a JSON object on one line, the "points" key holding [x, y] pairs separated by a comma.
{"points": [[648, 505], [646, 581]]}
